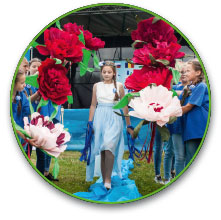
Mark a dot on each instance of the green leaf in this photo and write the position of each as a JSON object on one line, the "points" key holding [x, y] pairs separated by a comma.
{"points": [[164, 132], [96, 60], [153, 60], [42, 103], [70, 99], [46, 153], [176, 75], [172, 120], [84, 64], [32, 80], [58, 24], [164, 62], [125, 100], [81, 37], [121, 114], [18, 128], [30, 105], [174, 92], [156, 19], [138, 127], [55, 168], [84, 69], [137, 41], [58, 61], [54, 113], [90, 70], [35, 44]]}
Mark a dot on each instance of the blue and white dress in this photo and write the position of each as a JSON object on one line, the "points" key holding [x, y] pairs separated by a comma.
{"points": [[108, 131]]}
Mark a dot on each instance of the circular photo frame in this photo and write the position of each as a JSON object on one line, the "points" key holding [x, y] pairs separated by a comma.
{"points": [[110, 103]]}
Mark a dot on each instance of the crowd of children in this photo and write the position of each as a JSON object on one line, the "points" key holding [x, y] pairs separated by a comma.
{"points": [[186, 132]]}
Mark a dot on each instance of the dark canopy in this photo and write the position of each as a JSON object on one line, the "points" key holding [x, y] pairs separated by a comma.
{"points": [[111, 23]]}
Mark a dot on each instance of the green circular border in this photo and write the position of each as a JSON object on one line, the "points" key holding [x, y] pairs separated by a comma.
{"points": [[141, 9]]}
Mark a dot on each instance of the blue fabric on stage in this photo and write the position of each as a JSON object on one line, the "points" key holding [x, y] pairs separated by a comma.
{"points": [[122, 189]]}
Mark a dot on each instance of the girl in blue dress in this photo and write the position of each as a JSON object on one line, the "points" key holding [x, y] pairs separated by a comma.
{"points": [[108, 127], [195, 109]]}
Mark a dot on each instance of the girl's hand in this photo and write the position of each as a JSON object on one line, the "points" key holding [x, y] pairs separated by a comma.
{"points": [[35, 142], [90, 123], [32, 142], [130, 131]]}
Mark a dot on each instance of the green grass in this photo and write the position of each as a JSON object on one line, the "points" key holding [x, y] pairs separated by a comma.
{"points": [[72, 174]]}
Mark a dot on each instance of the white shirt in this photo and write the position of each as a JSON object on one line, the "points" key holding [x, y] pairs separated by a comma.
{"points": [[106, 92]]}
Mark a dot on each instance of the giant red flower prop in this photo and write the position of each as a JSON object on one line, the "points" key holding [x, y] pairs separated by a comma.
{"points": [[161, 52], [154, 33], [140, 79], [91, 43], [53, 83], [62, 45], [73, 28]]}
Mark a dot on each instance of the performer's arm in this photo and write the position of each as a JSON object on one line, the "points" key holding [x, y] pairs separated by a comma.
{"points": [[125, 110], [187, 108], [93, 103], [32, 141], [35, 96]]}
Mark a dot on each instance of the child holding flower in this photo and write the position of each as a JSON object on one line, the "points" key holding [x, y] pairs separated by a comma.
{"points": [[20, 106], [195, 109], [43, 160]]}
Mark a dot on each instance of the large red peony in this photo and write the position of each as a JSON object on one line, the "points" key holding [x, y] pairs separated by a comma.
{"points": [[162, 52], [140, 79], [62, 45], [91, 43], [73, 28], [153, 33], [53, 83]]}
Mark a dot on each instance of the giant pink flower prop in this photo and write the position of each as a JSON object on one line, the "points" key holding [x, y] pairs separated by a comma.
{"points": [[156, 104], [53, 136]]}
